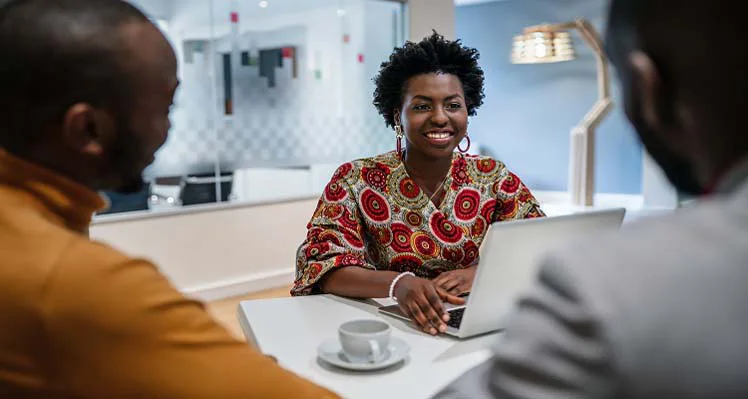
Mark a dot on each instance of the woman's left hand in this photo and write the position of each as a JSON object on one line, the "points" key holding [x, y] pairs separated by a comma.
{"points": [[456, 282]]}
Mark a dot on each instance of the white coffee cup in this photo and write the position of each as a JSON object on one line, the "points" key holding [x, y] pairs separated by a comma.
{"points": [[364, 341]]}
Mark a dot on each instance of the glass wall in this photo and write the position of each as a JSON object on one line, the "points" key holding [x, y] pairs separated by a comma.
{"points": [[274, 95]]}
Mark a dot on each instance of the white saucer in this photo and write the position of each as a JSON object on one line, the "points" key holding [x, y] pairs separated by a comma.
{"points": [[331, 352]]}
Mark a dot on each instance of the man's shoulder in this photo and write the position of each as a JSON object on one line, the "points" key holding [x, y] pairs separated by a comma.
{"points": [[87, 261], [50, 265], [84, 267], [687, 235], [85, 251], [36, 248], [658, 266], [660, 285], [94, 281]]}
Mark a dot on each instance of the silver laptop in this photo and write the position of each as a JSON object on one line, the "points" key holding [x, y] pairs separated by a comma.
{"points": [[509, 258]]}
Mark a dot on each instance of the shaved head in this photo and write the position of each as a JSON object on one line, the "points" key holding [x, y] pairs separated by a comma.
{"points": [[684, 78], [85, 89], [55, 53]]}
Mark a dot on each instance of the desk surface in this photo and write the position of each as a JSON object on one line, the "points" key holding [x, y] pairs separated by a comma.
{"points": [[291, 329]]}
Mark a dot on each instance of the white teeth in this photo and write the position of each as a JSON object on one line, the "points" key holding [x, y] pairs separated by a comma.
{"points": [[438, 136]]}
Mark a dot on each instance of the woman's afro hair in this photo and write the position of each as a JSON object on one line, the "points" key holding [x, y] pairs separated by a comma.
{"points": [[433, 54]]}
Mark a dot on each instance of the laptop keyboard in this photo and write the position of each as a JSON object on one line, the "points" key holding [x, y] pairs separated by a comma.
{"points": [[455, 317]]}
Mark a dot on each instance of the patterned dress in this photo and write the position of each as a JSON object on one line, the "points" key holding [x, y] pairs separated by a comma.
{"points": [[373, 215]]}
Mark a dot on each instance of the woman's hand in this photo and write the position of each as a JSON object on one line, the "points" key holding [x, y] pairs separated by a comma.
{"points": [[422, 301], [456, 282]]}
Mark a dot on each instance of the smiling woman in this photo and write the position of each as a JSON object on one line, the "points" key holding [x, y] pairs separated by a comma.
{"points": [[408, 223]]}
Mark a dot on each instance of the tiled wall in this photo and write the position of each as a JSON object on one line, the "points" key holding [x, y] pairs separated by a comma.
{"points": [[323, 115]]}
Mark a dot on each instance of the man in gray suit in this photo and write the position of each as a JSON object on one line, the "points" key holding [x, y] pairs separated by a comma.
{"points": [[659, 309]]}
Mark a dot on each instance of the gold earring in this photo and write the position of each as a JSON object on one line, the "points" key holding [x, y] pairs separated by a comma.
{"points": [[398, 130], [399, 134]]}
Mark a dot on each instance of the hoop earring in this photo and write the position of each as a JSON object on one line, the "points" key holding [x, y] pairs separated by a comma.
{"points": [[399, 134], [467, 148]]}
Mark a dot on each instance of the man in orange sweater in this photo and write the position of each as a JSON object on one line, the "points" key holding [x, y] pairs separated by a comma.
{"points": [[85, 92]]}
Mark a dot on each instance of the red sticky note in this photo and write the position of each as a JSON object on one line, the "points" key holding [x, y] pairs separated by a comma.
{"points": [[234, 17], [361, 58], [287, 52]]}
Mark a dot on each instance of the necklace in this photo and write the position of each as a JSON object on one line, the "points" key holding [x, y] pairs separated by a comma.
{"points": [[438, 188]]}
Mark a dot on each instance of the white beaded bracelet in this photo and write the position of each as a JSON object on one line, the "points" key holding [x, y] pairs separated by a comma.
{"points": [[394, 282]]}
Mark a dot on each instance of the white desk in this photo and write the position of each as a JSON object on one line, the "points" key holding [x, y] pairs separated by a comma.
{"points": [[291, 329]]}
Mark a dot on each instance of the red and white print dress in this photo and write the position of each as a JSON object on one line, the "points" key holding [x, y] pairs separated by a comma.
{"points": [[373, 215]]}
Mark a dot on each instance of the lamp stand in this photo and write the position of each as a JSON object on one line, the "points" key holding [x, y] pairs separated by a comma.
{"points": [[581, 166], [582, 140]]}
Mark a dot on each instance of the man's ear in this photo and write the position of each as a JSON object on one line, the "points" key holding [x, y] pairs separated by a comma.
{"points": [[646, 79], [87, 130], [661, 110]]}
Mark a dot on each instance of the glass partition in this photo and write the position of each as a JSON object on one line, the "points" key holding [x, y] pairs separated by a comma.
{"points": [[274, 95]]}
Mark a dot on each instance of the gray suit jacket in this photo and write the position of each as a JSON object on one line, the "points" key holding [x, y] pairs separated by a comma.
{"points": [[657, 310]]}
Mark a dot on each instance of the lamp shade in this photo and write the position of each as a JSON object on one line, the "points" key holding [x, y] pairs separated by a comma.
{"points": [[542, 46]]}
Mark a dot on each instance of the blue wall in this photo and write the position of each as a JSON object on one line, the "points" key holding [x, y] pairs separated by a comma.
{"points": [[529, 109]]}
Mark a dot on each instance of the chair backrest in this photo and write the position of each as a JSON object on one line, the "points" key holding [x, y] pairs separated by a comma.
{"points": [[201, 189], [126, 202]]}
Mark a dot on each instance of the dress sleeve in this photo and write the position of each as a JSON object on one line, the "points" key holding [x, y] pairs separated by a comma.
{"points": [[514, 200], [335, 236]]}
